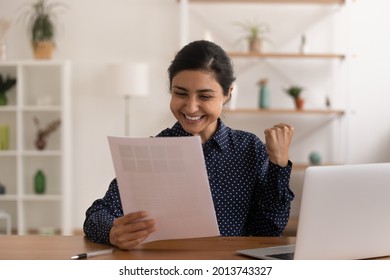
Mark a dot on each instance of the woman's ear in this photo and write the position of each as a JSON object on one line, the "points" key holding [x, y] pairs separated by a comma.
{"points": [[229, 96]]}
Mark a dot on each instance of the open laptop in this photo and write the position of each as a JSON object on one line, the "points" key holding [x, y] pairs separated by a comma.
{"points": [[344, 214]]}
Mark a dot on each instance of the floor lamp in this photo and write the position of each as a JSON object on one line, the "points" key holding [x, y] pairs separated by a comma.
{"points": [[128, 80]]}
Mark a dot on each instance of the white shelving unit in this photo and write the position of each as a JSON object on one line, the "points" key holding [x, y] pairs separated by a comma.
{"points": [[42, 91]]}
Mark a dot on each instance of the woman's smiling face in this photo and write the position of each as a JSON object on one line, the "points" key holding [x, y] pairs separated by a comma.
{"points": [[196, 102]]}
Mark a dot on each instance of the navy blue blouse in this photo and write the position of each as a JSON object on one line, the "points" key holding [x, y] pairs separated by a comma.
{"points": [[251, 195]]}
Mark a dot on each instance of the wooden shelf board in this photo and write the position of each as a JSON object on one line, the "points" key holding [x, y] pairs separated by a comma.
{"points": [[36, 231], [286, 55], [285, 111], [271, 1]]}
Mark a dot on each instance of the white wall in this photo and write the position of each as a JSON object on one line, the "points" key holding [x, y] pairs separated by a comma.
{"points": [[369, 82], [94, 33]]}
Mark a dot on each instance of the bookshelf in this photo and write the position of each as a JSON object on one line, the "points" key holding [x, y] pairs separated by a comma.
{"points": [[42, 91]]}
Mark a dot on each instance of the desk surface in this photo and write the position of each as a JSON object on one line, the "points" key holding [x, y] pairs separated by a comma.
{"points": [[30, 247]]}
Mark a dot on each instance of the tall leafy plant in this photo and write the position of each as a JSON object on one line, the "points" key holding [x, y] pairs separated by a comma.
{"points": [[41, 17], [255, 33]]}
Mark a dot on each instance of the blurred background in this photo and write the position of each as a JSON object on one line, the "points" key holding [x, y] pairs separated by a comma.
{"points": [[94, 34]]}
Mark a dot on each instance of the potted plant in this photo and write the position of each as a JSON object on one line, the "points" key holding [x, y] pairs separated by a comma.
{"points": [[255, 34], [5, 85], [295, 93], [41, 16]]}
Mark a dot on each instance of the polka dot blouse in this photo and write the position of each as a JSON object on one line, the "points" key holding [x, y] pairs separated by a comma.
{"points": [[251, 195]]}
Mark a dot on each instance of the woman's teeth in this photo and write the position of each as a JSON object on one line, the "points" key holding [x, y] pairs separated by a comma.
{"points": [[192, 118]]}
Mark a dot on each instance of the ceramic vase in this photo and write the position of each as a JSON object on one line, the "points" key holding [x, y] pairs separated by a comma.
{"points": [[40, 142], [39, 182], [299, 102], [264, 95]]}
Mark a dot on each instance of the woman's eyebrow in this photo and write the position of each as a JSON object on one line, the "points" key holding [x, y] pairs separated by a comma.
{"points": [[180, 88], [205, 90]]}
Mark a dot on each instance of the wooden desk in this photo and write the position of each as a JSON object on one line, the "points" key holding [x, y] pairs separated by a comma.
{"points": [[33, 247]]}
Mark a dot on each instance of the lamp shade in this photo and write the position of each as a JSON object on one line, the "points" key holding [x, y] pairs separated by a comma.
{"points": [[128, 79]]}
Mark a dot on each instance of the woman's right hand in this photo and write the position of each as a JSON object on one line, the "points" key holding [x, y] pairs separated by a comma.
{"points": [[130, 230]]}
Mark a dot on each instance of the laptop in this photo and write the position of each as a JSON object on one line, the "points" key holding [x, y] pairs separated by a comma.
{"points": [[344, 214]]}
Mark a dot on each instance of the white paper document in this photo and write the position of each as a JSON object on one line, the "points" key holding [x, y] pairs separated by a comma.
{"points": [[167, 177]]}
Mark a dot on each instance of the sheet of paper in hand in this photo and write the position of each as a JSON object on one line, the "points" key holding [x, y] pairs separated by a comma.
{"points": [[167, 177]]}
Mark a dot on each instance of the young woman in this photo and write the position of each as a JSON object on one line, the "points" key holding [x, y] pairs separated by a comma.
{"points": [[249, 180]]}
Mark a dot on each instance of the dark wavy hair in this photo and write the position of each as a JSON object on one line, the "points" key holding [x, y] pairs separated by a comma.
{"points": [[206, 56]]}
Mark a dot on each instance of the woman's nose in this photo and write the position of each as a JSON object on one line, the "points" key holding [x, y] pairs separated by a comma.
{"points": [[192, 105]]}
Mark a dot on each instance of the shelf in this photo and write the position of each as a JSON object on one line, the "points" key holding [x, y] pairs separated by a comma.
{"points": [[8, 108], [285, 111], [32, 63], [8, 153], [286, 55], [8, 197], [41, 197], [43, 91], [271, 1], [52, 153], [41, 108], [321, 130]]}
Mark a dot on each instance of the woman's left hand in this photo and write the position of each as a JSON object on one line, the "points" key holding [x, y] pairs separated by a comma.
{"points": [[277, 140]]}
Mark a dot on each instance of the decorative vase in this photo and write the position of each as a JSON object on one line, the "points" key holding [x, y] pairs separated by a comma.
{"points": [[303, 48], [40, 142], [39, 182], [263, 94], [4, 137], [299, 102], [43, 50], [255, 45], [328, 103], [314, 158]]}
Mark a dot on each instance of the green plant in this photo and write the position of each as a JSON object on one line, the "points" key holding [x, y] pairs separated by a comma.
{"points": [[41, 17], [5, 85], [254, 30], [294, 91]]}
